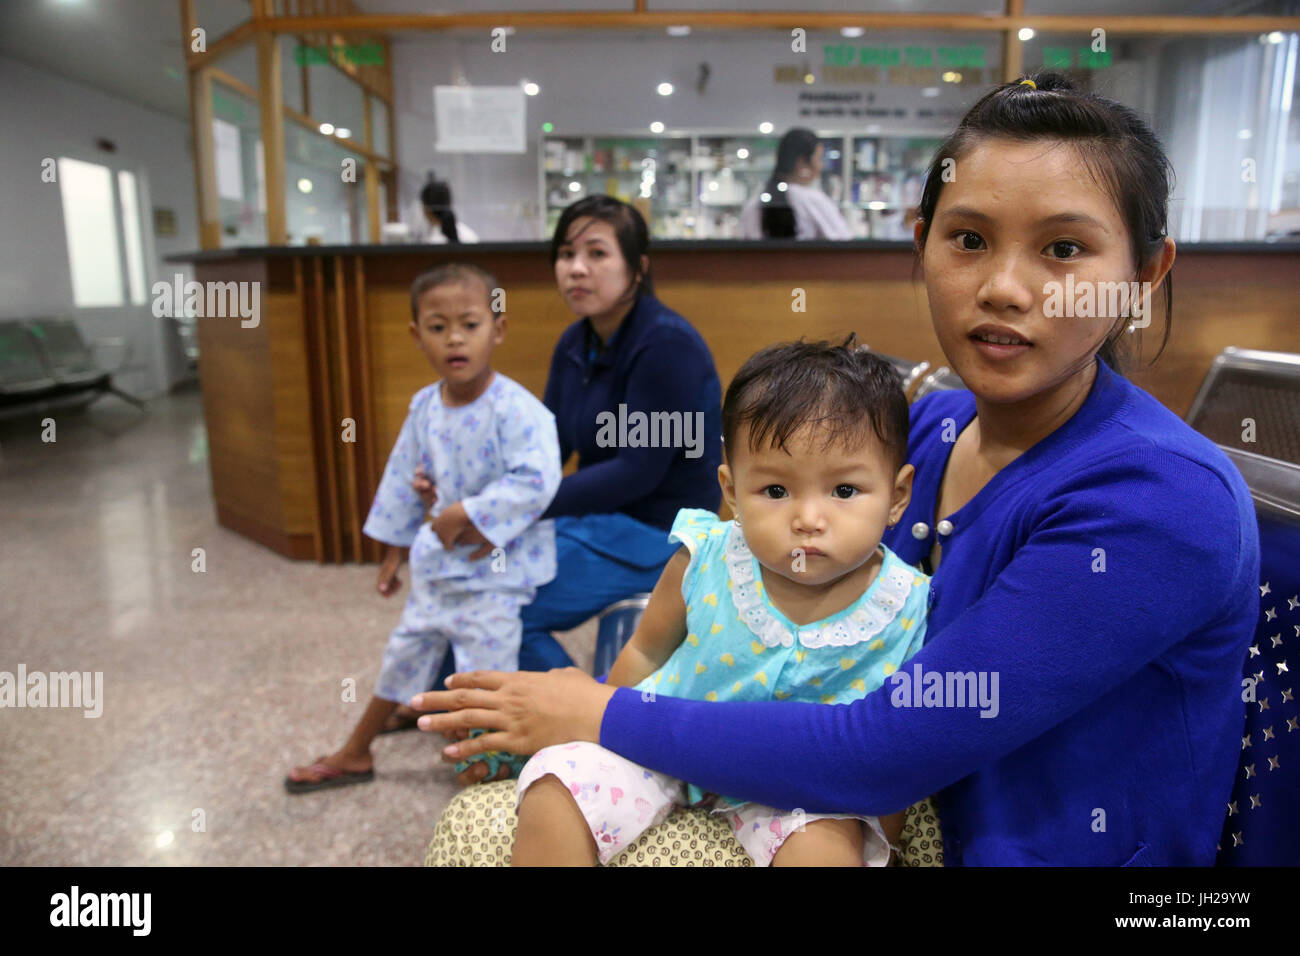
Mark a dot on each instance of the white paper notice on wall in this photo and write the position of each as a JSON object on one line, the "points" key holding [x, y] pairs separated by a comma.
{"points": [[479, 119], [230, 172]]}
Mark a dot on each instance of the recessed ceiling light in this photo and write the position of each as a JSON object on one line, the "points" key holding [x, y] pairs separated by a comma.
{"points": [[665, 89], [327, 129]]}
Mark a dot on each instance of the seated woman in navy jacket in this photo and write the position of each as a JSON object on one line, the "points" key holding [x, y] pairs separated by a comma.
{"points": [[1089, 550], [635, 393]]}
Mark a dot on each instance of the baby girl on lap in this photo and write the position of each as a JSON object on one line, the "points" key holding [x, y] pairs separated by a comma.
{"points": [[796, 599]]}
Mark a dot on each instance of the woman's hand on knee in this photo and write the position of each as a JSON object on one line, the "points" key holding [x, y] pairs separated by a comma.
{"points": [[522, 711]]}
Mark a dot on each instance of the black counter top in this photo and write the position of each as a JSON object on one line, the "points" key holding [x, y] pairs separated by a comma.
{"points": [[541, 247]]}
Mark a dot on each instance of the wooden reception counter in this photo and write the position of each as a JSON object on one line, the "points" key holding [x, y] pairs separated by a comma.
{"points": [[331, 345]]}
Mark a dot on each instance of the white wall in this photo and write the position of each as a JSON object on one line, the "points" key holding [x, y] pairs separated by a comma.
{"points": [[45, 115]]}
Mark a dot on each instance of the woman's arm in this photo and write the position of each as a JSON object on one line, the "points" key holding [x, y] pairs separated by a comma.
{"points": [[553, 399], [1054, 633], [660, 630]]}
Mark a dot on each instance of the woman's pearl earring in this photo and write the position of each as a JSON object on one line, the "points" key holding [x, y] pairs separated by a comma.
{"points": [[737, 520]]}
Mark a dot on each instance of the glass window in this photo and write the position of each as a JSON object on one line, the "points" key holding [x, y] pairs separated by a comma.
{"points": [[320, 206], [237, 147], [290, 72], [90, 223], [337, 100], [1221, 107], [379, 126]]}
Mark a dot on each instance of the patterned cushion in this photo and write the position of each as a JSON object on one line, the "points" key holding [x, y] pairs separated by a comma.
{"points": [[478, 829]]}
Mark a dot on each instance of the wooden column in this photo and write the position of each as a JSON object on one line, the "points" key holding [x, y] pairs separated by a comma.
{"points": [[271, 100], [205, 171], [371, 172], [1012, 59]]}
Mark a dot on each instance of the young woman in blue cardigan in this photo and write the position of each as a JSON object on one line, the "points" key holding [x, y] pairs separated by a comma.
{"points": [[1086, 546]]}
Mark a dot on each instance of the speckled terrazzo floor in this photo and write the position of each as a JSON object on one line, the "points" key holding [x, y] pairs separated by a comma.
{"points": [[214, 683]]}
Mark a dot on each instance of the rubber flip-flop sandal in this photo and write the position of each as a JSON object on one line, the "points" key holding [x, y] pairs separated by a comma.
{"points": [[327, 777]]}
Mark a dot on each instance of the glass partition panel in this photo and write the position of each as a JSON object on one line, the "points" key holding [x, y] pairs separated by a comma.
{"points": [[338, 101], [240, 169], [290, 72], [379, 126], [321, 205], [1223, 109]]}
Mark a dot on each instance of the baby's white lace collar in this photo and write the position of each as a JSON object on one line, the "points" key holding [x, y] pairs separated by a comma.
{"points": [[873, 614]]}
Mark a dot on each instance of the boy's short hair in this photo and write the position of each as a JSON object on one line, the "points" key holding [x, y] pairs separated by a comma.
{"points": [[846, 390], [446, 275]]}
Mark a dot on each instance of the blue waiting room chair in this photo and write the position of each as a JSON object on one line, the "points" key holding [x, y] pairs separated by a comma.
{"points": [[1249, 405], [615, 626]]}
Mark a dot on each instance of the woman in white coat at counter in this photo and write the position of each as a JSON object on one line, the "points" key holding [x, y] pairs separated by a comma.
{"points": [[792, 205], [443, 226]]}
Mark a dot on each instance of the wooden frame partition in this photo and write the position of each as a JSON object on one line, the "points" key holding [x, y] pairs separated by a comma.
{"points": [[331, 21], [269, 19]]}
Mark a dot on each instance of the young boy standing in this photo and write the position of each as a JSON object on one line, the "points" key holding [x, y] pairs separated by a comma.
{"points": [[490, 449]]}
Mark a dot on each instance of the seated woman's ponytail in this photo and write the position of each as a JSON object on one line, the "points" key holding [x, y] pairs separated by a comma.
{"points": [[436, 197]]}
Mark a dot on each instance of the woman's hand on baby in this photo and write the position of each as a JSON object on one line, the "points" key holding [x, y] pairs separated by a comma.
{"points": [[476, 772], [423, 486], [523, 711]]}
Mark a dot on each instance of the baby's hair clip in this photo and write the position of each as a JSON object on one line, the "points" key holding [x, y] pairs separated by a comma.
{"points": [[1029, 83]]}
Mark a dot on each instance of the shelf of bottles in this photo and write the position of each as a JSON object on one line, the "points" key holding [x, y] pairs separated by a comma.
{"points": [[694, 187], [887, 179], [652, 173]]}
